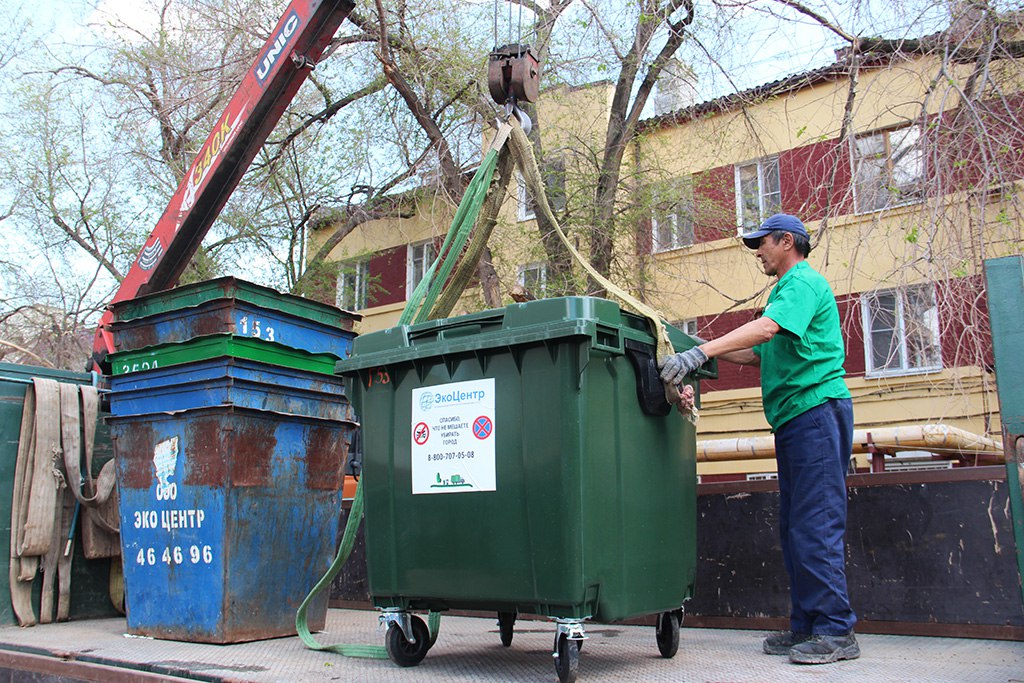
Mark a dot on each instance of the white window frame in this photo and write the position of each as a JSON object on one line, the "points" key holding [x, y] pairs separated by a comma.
{"points": [[768, 202], [541, 277], [687, 325], [419, 257], [355, 278], [554, 180], [678, 213], [898, 171], [928, 324], [525, 210]]}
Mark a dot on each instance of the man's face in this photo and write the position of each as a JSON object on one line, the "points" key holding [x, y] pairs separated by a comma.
{"points": [[771, 253]]}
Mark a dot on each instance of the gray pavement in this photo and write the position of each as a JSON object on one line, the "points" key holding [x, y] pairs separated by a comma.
{"points": [[469, 649]]}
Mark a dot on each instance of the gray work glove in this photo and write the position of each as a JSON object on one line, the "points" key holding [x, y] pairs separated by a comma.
{"points": [[677, 366]]}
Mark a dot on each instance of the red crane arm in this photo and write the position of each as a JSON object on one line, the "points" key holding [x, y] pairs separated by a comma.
{"points": [[295, 45]]}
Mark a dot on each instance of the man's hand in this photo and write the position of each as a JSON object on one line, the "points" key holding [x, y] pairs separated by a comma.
{"points": [[677, 366]]}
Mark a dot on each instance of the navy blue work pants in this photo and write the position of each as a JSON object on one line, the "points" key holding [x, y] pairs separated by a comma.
{"points": [[813, 455]]}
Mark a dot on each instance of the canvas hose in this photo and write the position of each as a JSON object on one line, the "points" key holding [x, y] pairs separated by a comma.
{"points": [[58, 423]]}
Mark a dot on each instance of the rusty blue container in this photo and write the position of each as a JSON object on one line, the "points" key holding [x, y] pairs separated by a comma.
{"points": [[229, 516], [231, 306], [229, 381]]}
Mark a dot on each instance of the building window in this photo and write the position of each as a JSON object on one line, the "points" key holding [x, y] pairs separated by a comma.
{"points": [[672, 217], [689, 326], [554, 180], [353, 285], [901, 331], [525, 208], [553, 174], [888, 169], [757, 192], [421, 256], [533, 277]]}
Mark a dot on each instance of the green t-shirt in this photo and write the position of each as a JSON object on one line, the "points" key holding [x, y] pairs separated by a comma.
{"points": [[802, 365]]}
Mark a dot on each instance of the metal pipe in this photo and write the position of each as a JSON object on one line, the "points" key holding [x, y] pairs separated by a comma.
{"points": [[924, 437]]}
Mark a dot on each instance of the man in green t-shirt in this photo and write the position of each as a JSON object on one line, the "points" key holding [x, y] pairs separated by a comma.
{"points": [[798, 345]]}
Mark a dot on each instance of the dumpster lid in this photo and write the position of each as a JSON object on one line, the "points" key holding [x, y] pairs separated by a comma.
{"points": [[230, 287], [216, 346], [601, 320]]}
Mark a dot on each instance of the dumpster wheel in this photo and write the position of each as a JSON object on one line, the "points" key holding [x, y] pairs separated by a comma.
{"points": [[667, 633], [567, 658], [400, 650], [506, 620]]}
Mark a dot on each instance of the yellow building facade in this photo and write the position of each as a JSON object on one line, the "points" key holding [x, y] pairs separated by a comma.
{"points": [[906, 178]]}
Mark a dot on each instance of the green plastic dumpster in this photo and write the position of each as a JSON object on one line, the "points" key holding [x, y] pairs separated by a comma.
{"points": [[524, 460]]}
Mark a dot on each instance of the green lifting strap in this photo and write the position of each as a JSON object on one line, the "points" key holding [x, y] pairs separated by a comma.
{"points": [[348, 540], [420, 303], [417, 309]]}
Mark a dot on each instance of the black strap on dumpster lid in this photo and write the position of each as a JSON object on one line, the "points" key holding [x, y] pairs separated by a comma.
{"points": [[650, 391]]}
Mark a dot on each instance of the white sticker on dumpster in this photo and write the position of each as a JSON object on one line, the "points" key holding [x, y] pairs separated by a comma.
{"points": [[452, 437]]}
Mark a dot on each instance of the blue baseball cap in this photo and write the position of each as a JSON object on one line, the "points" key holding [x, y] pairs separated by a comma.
{"points": [[780, 221]]}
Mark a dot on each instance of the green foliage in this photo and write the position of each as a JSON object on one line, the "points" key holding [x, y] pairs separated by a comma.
{"points": [[319, 282]]}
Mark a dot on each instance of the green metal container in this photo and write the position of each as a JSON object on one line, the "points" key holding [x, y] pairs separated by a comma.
{"points": [[1004, 278], [524, 460], [199, 293], [89, 578], [215, 346]]}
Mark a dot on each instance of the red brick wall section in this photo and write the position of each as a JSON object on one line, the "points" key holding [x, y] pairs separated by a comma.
{"points": [[730, 375], [964, 331], [815, 179], [714, 198], [387, 275], [980, 147], [853, 333], [644, 238]]}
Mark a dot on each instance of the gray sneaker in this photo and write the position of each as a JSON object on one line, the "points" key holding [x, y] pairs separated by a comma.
{"points": [[780, 643], [822, 649]]}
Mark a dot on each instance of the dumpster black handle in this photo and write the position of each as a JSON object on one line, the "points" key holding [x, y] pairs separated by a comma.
{"points": [[650, 392]]}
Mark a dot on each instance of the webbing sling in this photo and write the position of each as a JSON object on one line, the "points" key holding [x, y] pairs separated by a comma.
{"points": [[522, 150], [42, 509], [423, 304], [348, 539], [58, 425], [527, 163]]}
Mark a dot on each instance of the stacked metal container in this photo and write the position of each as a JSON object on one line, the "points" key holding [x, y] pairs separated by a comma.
{"points": [[231, 436]]}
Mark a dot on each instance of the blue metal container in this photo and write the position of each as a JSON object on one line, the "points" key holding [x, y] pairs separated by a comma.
{"points": [[229, 516], [233, 316], [229, 381]]}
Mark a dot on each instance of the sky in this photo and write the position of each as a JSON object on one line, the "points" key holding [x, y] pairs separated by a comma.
{"points": [[768, 49]]}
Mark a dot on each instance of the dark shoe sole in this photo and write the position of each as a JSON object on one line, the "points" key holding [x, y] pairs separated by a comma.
{"points": [[775, 649], [849, 652], [770, 648]]}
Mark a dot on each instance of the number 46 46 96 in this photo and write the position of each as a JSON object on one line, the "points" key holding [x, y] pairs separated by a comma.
{"points": [[175, 555]]}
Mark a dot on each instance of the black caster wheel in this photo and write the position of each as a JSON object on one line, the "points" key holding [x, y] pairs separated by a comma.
{"points": [[667, 633], [400, 650], [506, 620], [567, 660]]}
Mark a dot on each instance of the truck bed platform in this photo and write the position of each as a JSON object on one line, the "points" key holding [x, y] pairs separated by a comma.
{"points": [[469, 649]]}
